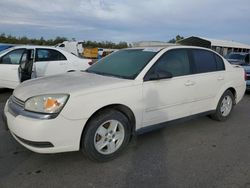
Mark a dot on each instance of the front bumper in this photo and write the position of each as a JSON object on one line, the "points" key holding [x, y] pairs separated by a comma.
{"points": [[45, 135]]}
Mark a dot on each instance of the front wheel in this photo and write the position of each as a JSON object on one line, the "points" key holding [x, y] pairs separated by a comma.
{"points": [[106, 135], [224, 107]]}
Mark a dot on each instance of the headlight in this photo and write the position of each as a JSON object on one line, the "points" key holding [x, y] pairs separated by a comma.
{"points": [[49, 104]]}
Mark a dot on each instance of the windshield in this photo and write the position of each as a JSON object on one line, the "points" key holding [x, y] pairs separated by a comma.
{"points": [[124, 63], [236, 56]]}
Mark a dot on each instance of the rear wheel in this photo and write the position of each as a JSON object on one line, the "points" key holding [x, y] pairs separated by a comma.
{"points": [[106, 135], [224, 107]]}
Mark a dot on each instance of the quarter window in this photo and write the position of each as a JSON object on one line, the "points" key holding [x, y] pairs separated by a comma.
{"points": [[220, 63], [12, 57], [174, 61], [49, 55]]}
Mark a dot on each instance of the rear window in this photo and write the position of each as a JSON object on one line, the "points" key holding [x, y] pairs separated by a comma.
{"points": [[204, 61], [49, 55]]}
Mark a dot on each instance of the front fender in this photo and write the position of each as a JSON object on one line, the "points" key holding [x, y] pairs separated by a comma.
{"points": [[84, 106]]}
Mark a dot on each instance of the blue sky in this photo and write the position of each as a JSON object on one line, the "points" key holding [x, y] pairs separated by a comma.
{"points": [[126, 20]]}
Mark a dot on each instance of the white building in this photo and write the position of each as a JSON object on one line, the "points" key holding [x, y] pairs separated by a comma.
{"points": [[221, 46], [151, 44]]}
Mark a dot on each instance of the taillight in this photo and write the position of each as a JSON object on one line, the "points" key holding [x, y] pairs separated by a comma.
{"points": [[245, 75]]}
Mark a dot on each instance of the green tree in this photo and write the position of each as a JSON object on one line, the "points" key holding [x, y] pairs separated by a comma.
{"points": [[51, 42], [176, 39]]}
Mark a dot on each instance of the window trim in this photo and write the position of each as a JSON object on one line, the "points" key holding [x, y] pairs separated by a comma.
{"points": [[36, 54]]}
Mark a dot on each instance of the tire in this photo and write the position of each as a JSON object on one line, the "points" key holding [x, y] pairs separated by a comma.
{"points": [[106, 135], [224, 107]]}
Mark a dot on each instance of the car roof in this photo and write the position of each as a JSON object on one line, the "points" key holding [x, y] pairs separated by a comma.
{"points": [[33, 46], [171, 47]]}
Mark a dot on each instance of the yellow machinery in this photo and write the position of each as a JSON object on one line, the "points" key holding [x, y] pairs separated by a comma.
{"points": [[90, 53]]}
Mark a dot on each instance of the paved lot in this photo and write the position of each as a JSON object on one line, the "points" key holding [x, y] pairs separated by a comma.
{"points": [[198, 153]]}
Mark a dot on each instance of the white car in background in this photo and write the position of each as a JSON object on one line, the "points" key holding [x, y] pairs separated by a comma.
{"points": [[21, 63]]}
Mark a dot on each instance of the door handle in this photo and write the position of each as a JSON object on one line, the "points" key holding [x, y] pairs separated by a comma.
{"points": [[189, 83], [220, 78]]}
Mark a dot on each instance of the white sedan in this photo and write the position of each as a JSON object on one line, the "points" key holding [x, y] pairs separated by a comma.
{"points": [[126, 93], [21, 63]]}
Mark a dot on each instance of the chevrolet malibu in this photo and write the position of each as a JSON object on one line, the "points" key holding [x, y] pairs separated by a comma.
{"points": [[129, 92]]}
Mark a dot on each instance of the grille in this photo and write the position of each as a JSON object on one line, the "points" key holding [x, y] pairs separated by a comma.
{"points": [[17, 101]]}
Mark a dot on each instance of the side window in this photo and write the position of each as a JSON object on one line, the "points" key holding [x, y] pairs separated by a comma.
{"points": [[220, 63], [204, 61], [247, 58], [174, 61], [12, 57], [49, 55]]}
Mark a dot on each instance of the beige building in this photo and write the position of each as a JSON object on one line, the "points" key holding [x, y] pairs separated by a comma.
{"points": [[151, 44]]}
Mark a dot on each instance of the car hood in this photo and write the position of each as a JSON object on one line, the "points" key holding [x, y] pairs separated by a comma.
{"points": [[75, 83], [236, 61]]}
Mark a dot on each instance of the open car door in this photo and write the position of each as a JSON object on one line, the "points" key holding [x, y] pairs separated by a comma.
{"points": [[26, 65]]}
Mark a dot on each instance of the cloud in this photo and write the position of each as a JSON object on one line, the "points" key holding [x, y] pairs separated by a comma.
{"points": [[127, 20]]}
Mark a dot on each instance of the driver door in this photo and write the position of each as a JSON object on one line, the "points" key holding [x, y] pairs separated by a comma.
{"points": [[171, 98]]}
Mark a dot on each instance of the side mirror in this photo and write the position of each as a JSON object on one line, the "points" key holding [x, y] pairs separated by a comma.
{"points": [[158, 75]]}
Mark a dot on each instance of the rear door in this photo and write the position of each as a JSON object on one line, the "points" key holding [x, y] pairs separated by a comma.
{"points": [[49, 62], [9, 64], [209, 78]]}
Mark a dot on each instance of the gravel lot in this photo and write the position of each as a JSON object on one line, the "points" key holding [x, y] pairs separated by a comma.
{"points": [[198, 153]]}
